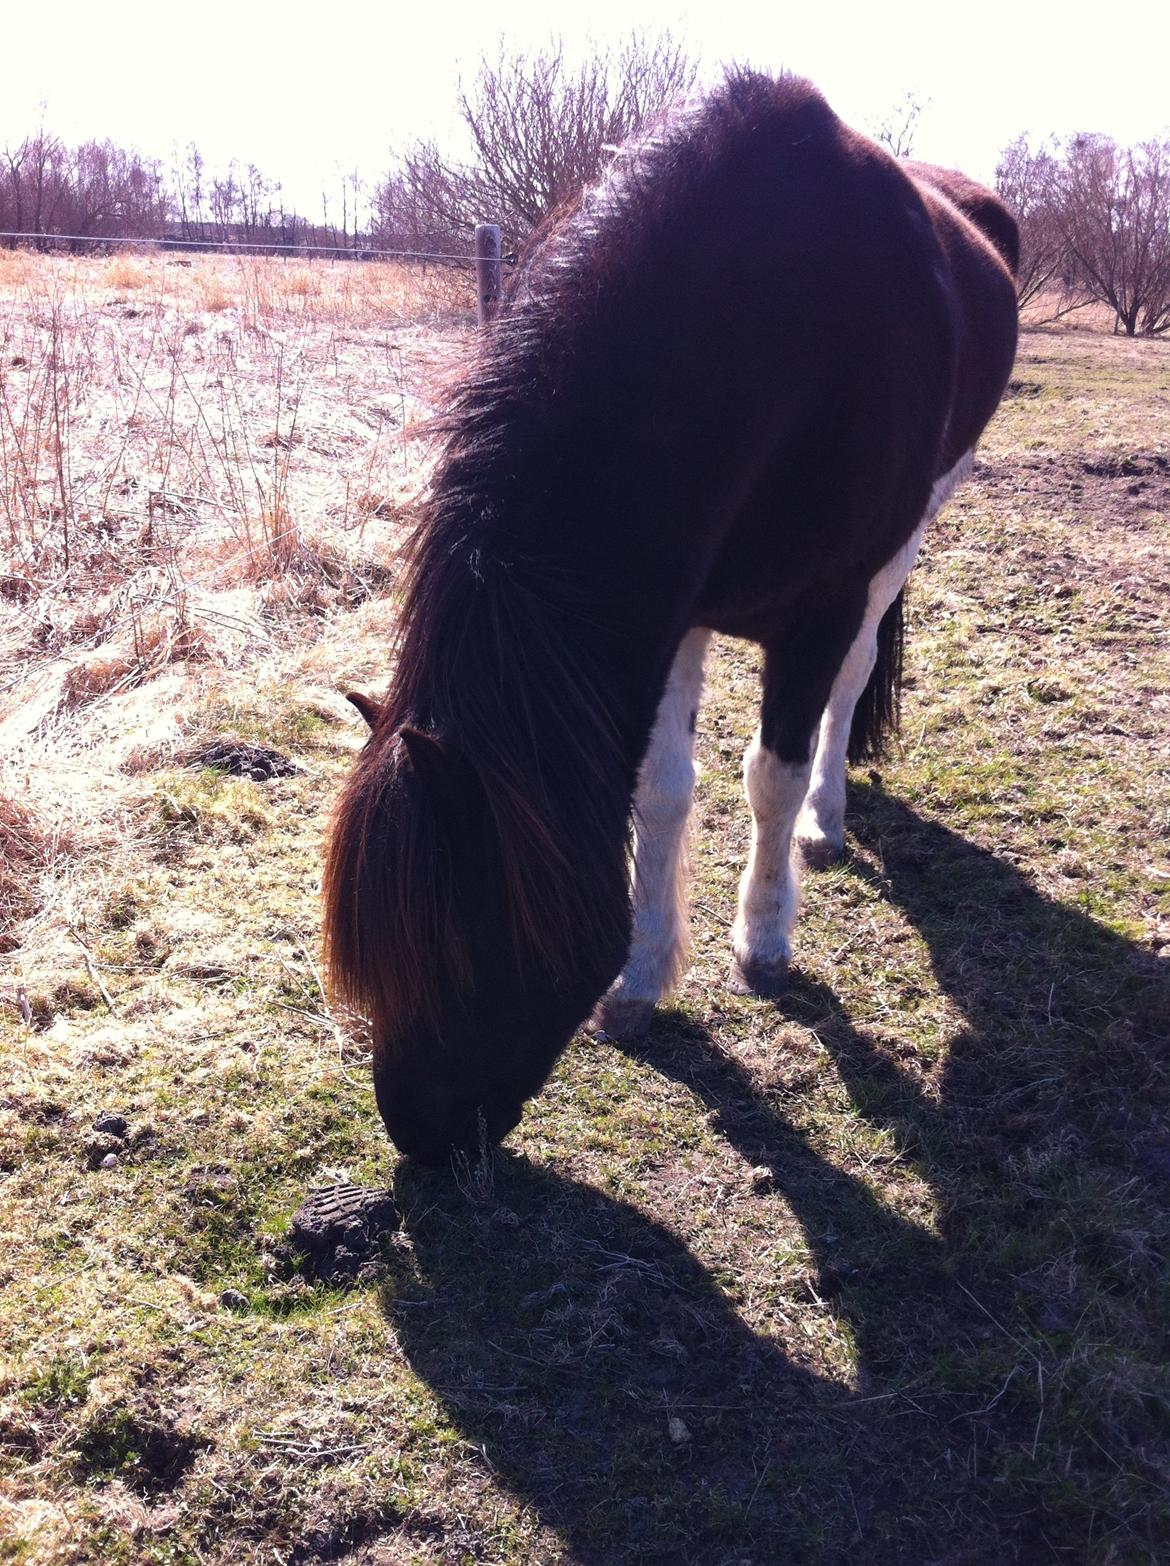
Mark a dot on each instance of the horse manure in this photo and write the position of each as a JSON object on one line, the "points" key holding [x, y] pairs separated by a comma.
{"points": [[240, 759], [339, 1231], [111, 1124]]}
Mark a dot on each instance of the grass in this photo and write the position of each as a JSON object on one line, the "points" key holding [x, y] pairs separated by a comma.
{"points": [[876, 1271]]}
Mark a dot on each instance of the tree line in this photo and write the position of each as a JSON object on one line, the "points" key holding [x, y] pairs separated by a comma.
{"points": [[1094, 216], [1094, 226], [97, 192]]}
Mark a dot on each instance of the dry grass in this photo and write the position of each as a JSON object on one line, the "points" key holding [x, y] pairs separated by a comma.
{"points": [[877, 1271], [199, 462], [1053, 310], [126, 271], [186, 500], [27, 852], [161, 426]]}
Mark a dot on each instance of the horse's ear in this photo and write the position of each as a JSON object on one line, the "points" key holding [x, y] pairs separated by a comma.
{"points": [[366, 705], [427, 756], [439, 766]]}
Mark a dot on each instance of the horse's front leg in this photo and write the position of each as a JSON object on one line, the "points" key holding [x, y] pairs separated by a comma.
{"points": [[761, 937], [661, 810]]}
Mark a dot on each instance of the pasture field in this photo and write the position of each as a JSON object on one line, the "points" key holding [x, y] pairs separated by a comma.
{"points": [[876, 1272]]}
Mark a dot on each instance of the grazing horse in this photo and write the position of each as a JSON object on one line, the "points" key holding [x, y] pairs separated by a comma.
{"points": [[726, 393]]}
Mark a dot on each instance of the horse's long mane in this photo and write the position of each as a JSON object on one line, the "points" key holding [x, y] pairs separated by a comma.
{"points": [[487, 664], [493, 657]]}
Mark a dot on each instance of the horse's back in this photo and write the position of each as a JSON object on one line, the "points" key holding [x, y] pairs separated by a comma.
{"points": [[741, 362], [980, 242]]}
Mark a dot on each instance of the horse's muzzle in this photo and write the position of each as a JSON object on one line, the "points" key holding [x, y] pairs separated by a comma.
{"points": [[436, 1145]]}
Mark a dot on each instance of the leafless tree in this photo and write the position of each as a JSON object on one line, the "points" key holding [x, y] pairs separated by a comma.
{"points": [[1029, 180], [32, 184], [540, 129], [96, 191], [112, 193], [897, 129], [1115, 214], [99, 191]]}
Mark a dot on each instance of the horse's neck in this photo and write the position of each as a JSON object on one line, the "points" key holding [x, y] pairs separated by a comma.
{"points": [[573, 672]]}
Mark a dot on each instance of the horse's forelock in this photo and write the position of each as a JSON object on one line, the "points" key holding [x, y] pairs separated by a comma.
{"points": [[392, 949]]}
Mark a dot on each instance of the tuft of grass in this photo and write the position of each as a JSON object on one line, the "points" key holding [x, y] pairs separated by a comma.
{"points": [[210, 806], [64, 1383], [125, 271], [22, 853]]}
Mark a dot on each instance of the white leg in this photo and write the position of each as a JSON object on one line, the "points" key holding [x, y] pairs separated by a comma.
{"points": [[820, 831], [661, 810], [761, 937]]}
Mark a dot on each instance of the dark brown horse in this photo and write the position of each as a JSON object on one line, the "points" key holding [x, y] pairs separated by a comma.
{"points": [[726, 393]]}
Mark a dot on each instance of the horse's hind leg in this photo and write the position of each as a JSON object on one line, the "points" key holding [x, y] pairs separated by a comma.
{"points": [[820, 831], [662, 807], [799, 673]]}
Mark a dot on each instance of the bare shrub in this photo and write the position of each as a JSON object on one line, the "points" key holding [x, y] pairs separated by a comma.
{"points": [[897, 130], [540, 128]]}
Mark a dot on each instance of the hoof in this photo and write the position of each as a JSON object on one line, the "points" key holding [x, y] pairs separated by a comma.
{"points": [[820, 853], [767, 979], [620, 1017]]}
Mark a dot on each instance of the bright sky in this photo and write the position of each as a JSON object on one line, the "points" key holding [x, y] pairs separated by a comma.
{"points": [[301, 90]]}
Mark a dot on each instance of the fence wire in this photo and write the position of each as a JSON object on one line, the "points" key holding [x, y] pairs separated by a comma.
{"points": [[249, 247]]}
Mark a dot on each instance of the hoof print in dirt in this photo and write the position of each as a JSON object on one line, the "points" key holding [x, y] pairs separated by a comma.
{"points": [[240, 759], [339, 1229]]}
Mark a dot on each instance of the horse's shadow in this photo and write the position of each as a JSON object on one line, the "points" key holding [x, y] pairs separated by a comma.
{"points": [[612, 1385], [599, 1371]]}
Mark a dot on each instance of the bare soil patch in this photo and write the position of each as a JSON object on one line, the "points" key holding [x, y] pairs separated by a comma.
{"points": [[1131, 490]]}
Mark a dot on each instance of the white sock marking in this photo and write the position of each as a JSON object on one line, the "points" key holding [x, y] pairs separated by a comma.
{"points": [[821, 827], [661, 811], [761, 935]]}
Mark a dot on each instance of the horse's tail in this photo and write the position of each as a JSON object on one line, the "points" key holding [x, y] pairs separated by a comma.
{"points": [[878, 708]]}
